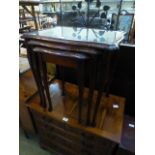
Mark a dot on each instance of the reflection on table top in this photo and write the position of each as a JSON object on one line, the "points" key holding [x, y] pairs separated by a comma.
{"points": [[74, 34]]}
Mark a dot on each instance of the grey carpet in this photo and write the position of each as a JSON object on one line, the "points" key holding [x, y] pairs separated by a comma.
{"points": [[30, 146]]}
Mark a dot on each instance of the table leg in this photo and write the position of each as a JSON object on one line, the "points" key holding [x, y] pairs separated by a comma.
{"points": [[32, 63], [81, 87], [62, 79], [43, 69], [113, 65], [38, 74], [103, 74], [92, 76]]}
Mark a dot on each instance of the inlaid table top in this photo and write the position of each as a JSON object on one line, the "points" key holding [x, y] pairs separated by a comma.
{"points": [[79, 36]]}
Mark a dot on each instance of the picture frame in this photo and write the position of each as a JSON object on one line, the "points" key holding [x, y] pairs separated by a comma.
{"points": [[123, 22]]}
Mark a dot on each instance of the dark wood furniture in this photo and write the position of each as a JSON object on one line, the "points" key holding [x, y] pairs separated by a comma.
{"points": [[59, 130], [123, 83], [27, 90], [128, 135], [101, 45], [54, 126], [62, 58], [104, 112]]}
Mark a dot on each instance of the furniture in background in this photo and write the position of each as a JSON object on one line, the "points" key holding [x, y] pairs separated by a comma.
{"points": [[27, 89], [128, 134], [132, 33], [127, 146], [31, 11], [28, 6], [123, 22]]}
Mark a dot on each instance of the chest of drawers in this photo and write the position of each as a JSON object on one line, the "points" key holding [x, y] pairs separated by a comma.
{"points": [[67, 140], [60, 132]]}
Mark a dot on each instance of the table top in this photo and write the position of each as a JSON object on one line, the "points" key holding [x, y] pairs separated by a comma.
{"points": [[79, 36]]}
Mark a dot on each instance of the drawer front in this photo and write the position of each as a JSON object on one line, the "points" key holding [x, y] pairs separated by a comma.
{"points": [[63, 125], [54, 145], [98, 144], [73, 139], [68, 143], [68, 148], [57, 130]]}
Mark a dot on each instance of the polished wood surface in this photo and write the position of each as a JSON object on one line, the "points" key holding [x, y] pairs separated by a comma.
{"points": [[27, 89], [61, 125], [93, 42], [27, 86], [67, 107], [69, 136], [67, 59]]}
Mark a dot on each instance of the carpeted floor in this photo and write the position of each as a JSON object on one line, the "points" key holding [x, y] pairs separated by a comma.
{"points": [[30, 146], [23, 64]]}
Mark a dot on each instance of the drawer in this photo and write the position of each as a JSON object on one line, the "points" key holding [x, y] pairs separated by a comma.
{"points": [[74, 139], [39, 118], [70, 149], [53, 145], [97, 144], [53, 129], [69, 143], [80, 148], [86, 140]]}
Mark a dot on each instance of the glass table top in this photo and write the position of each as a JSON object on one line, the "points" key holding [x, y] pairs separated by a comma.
{"points": [[80, 34]]}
